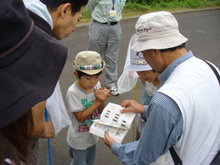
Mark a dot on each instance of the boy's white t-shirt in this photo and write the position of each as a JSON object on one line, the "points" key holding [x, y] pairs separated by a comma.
{"points": [[78, 136]]}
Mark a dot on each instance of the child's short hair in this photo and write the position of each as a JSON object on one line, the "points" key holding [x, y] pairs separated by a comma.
{"points": [[88, 62], [84, 74]]}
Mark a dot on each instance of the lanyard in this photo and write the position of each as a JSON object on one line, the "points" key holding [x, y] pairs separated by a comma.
{"points": [[113, 1]]}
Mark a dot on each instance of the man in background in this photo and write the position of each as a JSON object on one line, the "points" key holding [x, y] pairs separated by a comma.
{"points": [[105, 36]]}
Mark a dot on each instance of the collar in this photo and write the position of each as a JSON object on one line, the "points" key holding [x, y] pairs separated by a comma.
{"points": [[166, 73], [41, 10]]}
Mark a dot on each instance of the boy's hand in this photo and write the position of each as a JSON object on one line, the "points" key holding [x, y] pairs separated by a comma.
{"points": [[102, 94], [132, 106]]}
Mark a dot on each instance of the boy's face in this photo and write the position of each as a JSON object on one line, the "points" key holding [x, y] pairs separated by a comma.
{"points": [[87, 83], [149, 75]]}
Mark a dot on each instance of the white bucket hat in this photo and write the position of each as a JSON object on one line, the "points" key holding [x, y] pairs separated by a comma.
{"points": [[157, 30], [88, 62]]}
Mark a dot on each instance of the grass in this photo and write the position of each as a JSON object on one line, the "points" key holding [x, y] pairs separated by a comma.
{"points": [[134, 9]]}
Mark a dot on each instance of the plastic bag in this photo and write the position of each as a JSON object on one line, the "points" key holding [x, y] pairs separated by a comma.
{"points": [[57, 110]]}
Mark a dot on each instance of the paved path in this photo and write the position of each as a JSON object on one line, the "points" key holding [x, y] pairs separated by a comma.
{"points": [[200, 27]]}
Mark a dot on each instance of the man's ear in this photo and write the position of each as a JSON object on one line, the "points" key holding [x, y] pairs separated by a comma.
{"points": [[76, 73], [65, 9]]}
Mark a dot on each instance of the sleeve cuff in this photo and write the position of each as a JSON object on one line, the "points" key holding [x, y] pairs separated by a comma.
{"points": [[145, 111], [115, 147]]}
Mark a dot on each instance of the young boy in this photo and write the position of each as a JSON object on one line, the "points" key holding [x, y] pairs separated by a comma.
{"points": [[85, 99], [149, 79]]}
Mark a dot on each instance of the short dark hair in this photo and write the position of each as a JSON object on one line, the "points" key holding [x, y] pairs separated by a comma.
{"points": [[174, 48], [75, 4], [84, 74]]}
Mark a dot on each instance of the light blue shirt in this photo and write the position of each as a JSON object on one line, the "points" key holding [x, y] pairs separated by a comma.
{"points": [[40, 9], [100, 10], [163, 128]]}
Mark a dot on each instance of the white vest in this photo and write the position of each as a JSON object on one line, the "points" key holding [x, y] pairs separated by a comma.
{"points": [[195, 88]]}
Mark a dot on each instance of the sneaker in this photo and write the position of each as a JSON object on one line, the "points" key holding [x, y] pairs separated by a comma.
{"points": [[113, 91]]}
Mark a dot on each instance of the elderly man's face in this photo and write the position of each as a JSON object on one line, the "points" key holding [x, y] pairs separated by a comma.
{"points": [[154, 59], [149, 57]]}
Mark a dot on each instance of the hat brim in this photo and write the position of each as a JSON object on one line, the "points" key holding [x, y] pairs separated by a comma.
{"points": [[29, 74], [89, 72], [159, 43], [138, 68]]}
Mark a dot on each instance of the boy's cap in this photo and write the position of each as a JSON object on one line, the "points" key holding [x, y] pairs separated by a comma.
{"points": [[137, 62], [157, 30], [31, 62], [89, 62]]}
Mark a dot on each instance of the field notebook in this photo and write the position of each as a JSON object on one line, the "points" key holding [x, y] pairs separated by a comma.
{"points": [[111, 120]]}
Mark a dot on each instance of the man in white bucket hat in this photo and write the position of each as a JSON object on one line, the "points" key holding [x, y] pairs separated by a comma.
{"points": [[179, 115]]}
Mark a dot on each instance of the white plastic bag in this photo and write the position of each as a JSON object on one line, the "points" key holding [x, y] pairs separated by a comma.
{"points": [[57, 110]]}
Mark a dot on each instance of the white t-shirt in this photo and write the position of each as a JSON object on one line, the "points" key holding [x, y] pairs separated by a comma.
{"points": [[78, 100]]}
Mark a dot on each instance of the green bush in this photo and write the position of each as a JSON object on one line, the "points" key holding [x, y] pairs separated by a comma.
{"points": [[138, 6], [132, 7], [191, 3]]}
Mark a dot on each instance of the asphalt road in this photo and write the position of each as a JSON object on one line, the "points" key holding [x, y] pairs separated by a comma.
{"points": [[201, 27]]}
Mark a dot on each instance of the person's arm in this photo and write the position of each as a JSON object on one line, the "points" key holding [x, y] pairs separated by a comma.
{"points": [[91, 5], [163, 129], [41, 129], [101, 95], [102, 106], [132, 106]]}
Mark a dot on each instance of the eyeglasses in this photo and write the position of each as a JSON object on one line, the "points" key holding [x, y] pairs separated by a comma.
{"points": [[139, 54]]}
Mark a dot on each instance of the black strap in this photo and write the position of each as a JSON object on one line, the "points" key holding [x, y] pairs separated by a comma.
{"points": [[214, 70], [176, 158], [216, 160]]}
